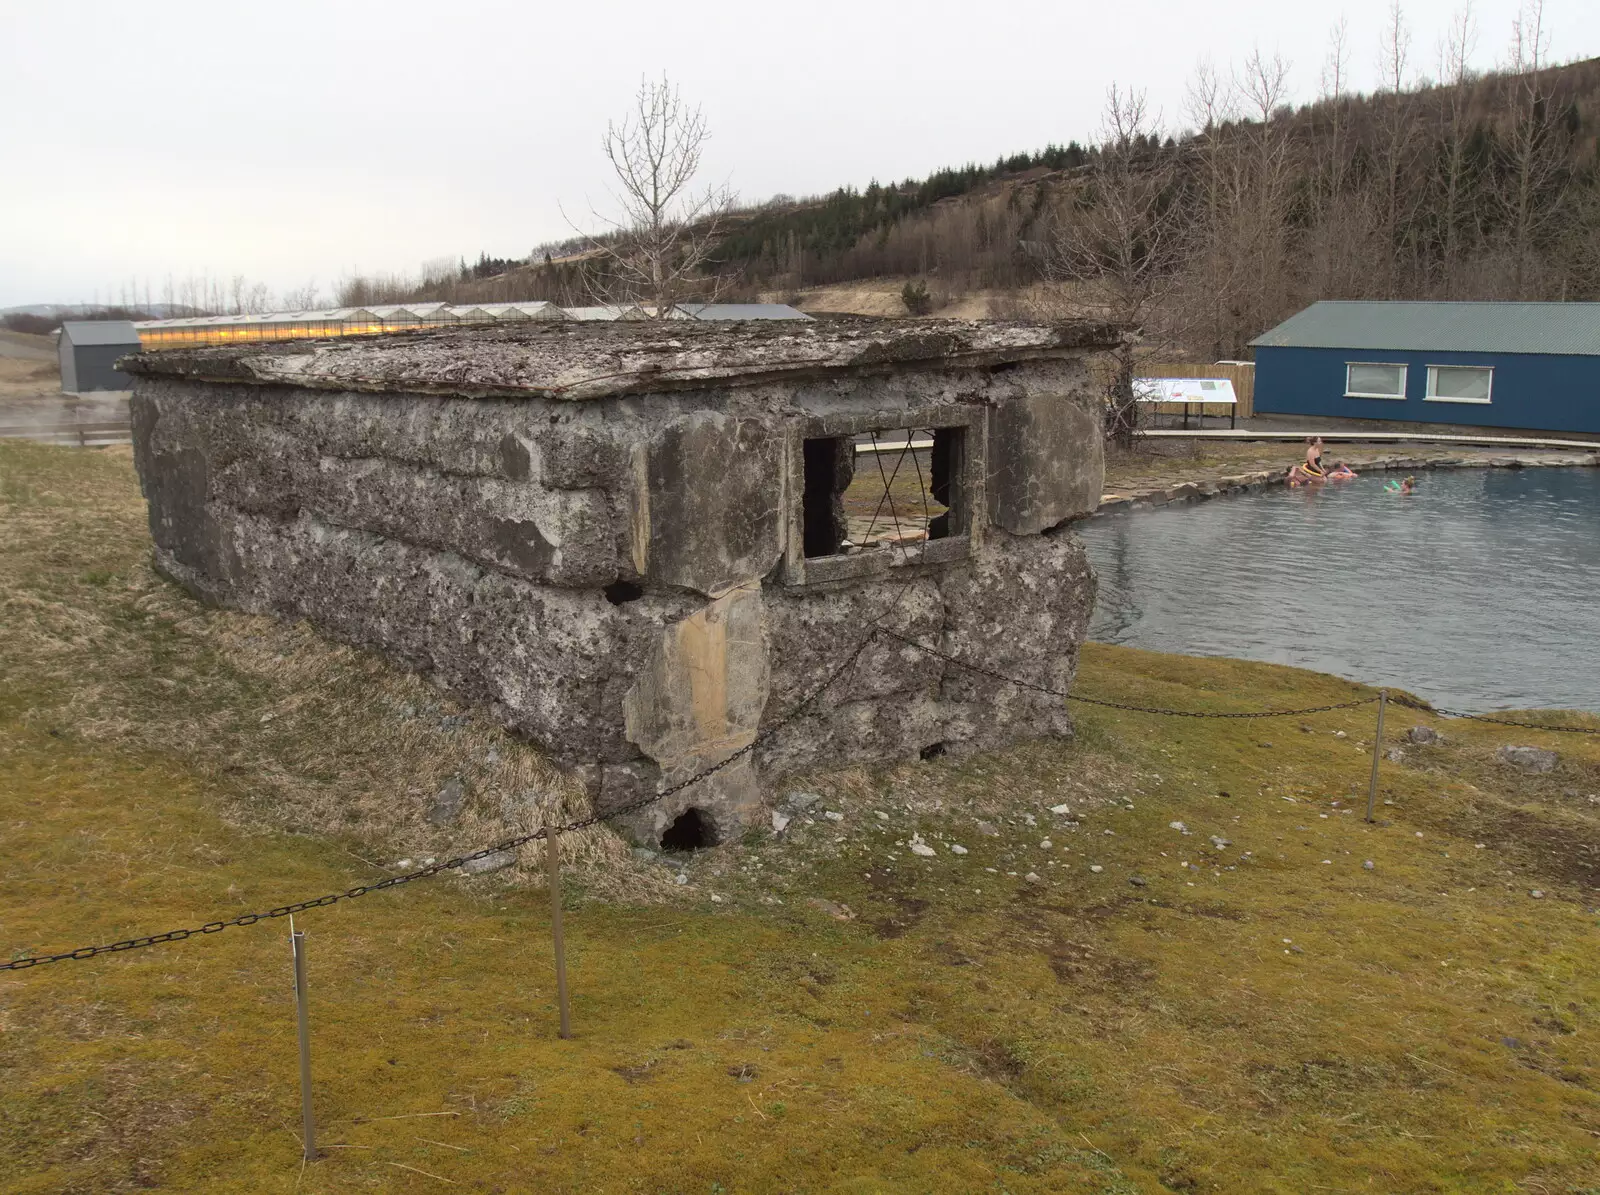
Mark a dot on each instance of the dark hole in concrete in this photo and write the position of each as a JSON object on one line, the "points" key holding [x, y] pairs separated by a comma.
{"points": [[829, 466], [949, 445], [691, 831], [932, 751], [619, 592]]}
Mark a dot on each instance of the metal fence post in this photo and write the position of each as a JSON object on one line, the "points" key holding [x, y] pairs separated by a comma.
{"points": [[297, 942], [1377, 750], [552, 859]]}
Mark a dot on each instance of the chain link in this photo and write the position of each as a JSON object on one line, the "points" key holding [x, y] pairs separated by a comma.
{"points": [[876, 628], [509, 844], [1118, 705], [1436, 709]]}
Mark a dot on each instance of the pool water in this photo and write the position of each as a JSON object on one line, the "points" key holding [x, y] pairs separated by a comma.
{"points": [[1481, 591]]}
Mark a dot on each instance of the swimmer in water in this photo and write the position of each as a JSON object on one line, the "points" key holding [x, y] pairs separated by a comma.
{"points": [[1408, 486], [1313, 464], [1341, 472]]}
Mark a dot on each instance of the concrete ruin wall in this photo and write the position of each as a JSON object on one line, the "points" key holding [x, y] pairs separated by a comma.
{"points": [[616, 571]]}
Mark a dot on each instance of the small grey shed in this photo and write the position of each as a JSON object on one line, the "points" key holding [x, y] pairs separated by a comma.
{"points": [[89, 351]]}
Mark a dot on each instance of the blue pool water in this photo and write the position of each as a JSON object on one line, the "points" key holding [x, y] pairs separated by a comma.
{"points": [[1481, 591]]}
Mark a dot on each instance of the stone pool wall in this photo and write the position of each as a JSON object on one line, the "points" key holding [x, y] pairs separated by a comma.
{"points": [[1149, 497]]}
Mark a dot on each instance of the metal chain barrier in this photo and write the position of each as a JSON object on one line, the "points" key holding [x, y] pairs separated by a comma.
{"points": [[333, 898], [212, 927], [1118, 705], [1423, 707]]}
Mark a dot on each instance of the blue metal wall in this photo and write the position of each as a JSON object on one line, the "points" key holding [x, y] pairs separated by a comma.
{"points": [[1536, 392]]}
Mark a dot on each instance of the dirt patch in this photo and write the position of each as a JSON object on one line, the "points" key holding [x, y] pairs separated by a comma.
{"points": [[1085, 964], [907, 911], [1547, 824], [1331, 1082]]}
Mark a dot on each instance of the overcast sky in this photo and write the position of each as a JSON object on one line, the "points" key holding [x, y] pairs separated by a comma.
{"points": [[293, 142]]}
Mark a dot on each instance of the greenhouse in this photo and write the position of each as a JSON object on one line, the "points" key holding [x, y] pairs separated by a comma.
{"points": [[409, 317]]}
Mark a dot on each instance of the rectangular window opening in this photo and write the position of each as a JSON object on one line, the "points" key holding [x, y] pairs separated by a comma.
{"points": [[883, 490], [1460, 383], [1372, 379]]}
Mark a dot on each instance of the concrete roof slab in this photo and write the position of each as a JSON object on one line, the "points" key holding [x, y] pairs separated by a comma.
{"points": [[576, 360]]}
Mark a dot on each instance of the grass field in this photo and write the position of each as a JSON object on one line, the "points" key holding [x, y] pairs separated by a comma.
{"points": [[1268, 1015]]}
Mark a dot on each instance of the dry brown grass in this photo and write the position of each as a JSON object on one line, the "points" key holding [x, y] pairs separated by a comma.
{"points": [[291, 731]]}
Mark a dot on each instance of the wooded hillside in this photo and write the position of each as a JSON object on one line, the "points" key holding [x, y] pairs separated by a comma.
{"points": [[1481, 187]]}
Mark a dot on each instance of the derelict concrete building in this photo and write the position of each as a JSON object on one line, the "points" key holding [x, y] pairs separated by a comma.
{"points": [[89, 351], [644, 543]]}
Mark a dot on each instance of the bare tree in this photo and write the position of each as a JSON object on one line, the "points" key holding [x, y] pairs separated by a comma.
{"points": [[1455, 53], [1264, 192], [1335, 82], [1336, 247], [1120, 237], [659, 250], [302, 298], [1214, 273], [1533, 190], [1397, 139], [439, 273]]}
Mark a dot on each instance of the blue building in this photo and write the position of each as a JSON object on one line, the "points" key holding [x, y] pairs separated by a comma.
{"points": [[1523, 365]]}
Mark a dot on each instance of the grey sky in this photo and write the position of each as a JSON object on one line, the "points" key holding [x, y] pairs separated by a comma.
{"points": [[298, 141]]}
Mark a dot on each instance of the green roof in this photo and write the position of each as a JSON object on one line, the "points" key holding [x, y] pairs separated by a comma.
{"points": [[1560, 329]]}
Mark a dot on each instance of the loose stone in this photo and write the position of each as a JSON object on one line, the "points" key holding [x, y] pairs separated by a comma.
{"points": [[446, 805], [496, 861], [1528, 759]]}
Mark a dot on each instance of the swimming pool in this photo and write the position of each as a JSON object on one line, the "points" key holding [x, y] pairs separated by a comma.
{"points": [[1481, 591]]}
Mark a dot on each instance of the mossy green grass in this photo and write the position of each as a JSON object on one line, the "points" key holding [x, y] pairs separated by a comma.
{"points": [[820, 1011]]}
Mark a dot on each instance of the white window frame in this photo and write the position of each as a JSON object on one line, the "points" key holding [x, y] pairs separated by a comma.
{"points": [[1433, 374], [1405, 373]]}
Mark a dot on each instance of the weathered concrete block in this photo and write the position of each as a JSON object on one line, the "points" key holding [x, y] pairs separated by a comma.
{"points": [[1046, 460], [1022, 610], [711, 500], [702, 689], [600, 532]]}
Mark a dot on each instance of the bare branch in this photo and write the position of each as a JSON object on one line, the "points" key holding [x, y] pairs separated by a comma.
{"points": [[661, 248]]}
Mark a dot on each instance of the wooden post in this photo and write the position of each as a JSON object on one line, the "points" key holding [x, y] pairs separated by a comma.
{"points": [[308, 1122], [552, 861], [1377, 750]]}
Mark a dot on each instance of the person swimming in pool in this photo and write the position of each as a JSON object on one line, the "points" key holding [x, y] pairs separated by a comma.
{"points": [[1341, 472], [1408, 486], [1313, 464]]}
